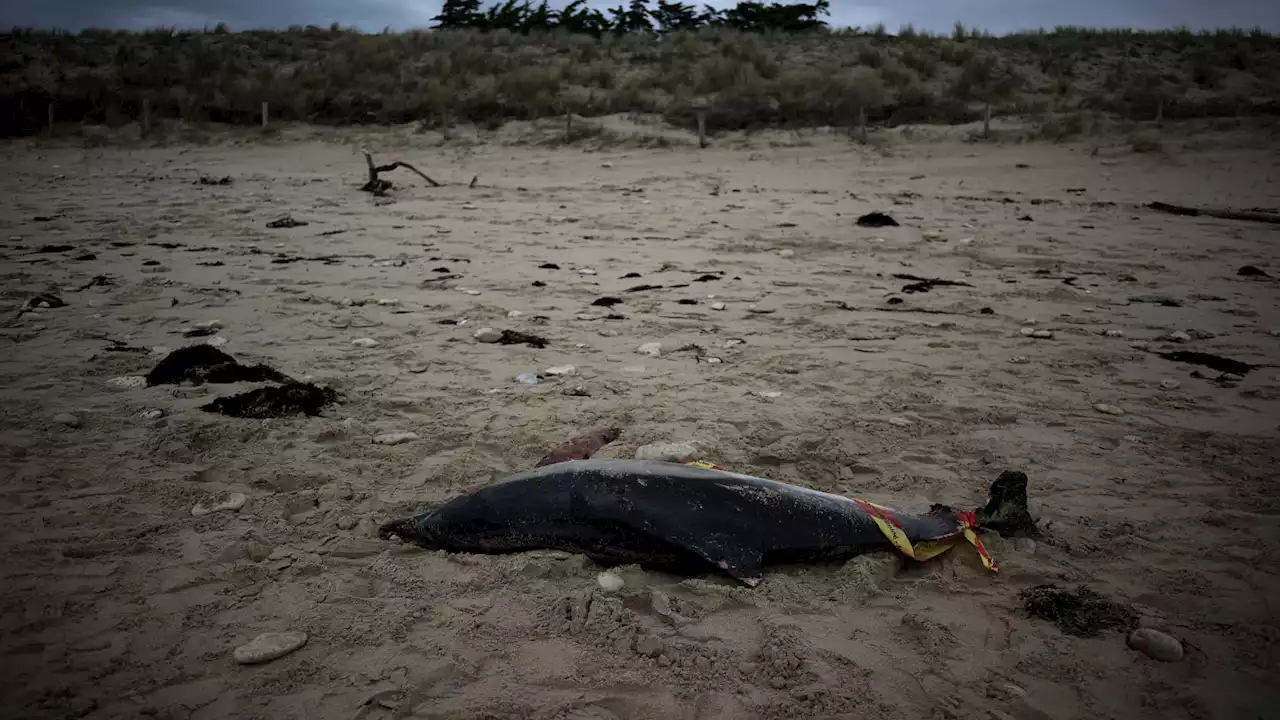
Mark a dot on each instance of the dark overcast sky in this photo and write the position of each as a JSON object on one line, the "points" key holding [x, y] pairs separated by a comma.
{"points": [[373, 15]]}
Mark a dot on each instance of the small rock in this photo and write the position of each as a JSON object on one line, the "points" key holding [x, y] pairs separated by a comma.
{"points": [[396, 438], [1230, 377], [1026, 331], [652, 349], [778, 682], [67, 419], [1170, 384], [1114, 333], [1019, 359], [1156, 645], [900, 422], [717, 306], [269, 646], [576, 391], [1177, 336], [231, 501], [154, 414], [129, 381], [650, 646], [586, 271], [1200, 334], [712, 360], [346, 522], [786, 253], [471, 292], [610, 582], [667, 452], [215, 341], [388, 302], [487, 335], [753, 308], [607, 333], [560, 370], [1042, 334], [527, 378], [365, 342], [733, 341], [1106, 409], [515, 314], [768, 394]]}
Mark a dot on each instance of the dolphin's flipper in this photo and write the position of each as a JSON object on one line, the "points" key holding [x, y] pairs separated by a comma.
{"points": [[724, 551]]}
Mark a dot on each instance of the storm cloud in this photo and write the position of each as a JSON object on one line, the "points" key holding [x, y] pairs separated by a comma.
{"points": [[998, 16]]}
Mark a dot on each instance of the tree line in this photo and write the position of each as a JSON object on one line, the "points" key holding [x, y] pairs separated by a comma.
{"points": [[638, 16]]}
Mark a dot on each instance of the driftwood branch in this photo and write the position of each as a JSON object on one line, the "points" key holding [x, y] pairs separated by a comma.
{"points": [[379, 186], [1224, 214]]}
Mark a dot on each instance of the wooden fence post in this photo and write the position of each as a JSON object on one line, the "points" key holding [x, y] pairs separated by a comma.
{"points": [[51, 117], [986, 121], [1160, 112], [702, 128], [146, 116], [862, 125], [264, 114], [568, 127]]}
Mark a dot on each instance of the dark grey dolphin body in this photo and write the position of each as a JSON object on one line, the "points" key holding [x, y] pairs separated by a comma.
{"points": [[679, 517]]}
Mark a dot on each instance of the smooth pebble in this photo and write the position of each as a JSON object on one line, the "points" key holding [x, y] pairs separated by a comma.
{"points": [[365, 342], [652, 349], [1106, 409], [269, 646], [610, 582], [667, 452], [395, 438], [487, 335], [560, 370], [67, 419], [1156, 645]]}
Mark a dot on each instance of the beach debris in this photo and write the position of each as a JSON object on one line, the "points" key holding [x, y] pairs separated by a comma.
{"points": [[207, 180], [642, 288], [152, 414], [225, 502], [128, 381], [786, 253], [757, 310], [292, 398], [1220, 213], [586, 271], [768, 394], [487, 335], [199, 364], [607, 302], [68, 419], [576, 391], [515, 337], [718, 306], [923, 284], [1251, 271], [549, 266], [1209, 360], [1162, 300], [560, 370], [45, 249], [901, 422], [1170, 384], [1019, 359], [667, 452], [706, 278], [287, 221], [686, 301], [96, 281], [610, 582], [527, 378], [876, 220], [581, 446], [1106, 409], [1082, 612], [652, 349], [1177, 336], [377, 185], [269, 646], [43, 300], [1039, 334], [395, 438], [1155, 645]]}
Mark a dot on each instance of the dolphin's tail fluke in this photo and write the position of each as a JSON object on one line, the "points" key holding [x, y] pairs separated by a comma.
{"points": [[1006, 510]]}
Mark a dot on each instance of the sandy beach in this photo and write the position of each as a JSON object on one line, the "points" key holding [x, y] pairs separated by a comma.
{"points": [[800, 358]]}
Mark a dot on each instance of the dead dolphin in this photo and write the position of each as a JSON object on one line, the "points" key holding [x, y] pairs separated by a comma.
{"points": [[688, 519]]}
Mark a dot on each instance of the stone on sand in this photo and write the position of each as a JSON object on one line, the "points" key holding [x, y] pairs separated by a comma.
{"points": [[487, 335], [667, 452], [395, 438], [230, 501], [269, 646], [67, 419], [651, 349], [1156, 645], [1106, 409]]}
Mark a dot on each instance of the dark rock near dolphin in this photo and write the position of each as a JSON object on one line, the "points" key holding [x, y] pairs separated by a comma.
{"points": [[683, 518]]}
